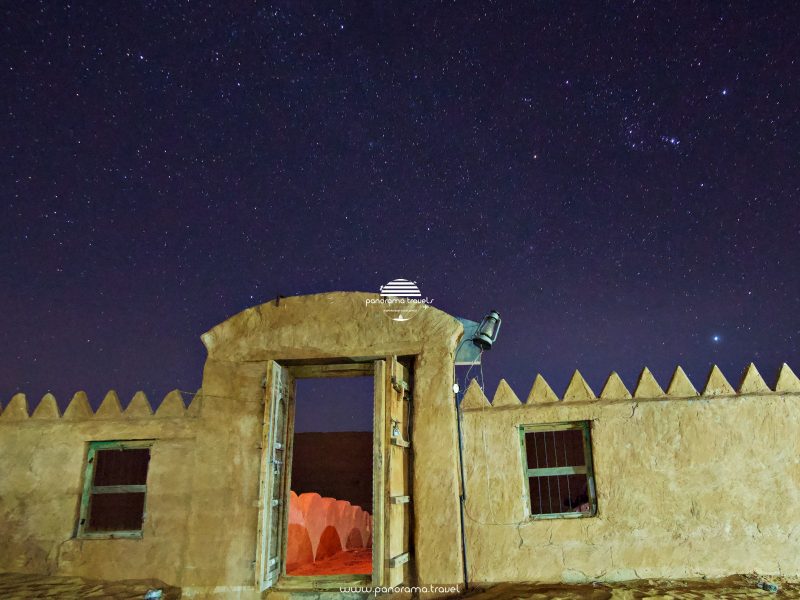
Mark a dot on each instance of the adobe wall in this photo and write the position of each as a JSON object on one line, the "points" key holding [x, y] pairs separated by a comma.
{"points": [[328, 326], [688, 484], [203, 480], [44, 459], [202, 488]]}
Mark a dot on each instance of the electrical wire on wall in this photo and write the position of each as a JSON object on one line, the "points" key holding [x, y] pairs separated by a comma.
{"points": [[462, 391]]}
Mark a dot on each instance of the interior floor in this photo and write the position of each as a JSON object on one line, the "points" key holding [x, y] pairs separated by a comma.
{"points": [[345, 562]]}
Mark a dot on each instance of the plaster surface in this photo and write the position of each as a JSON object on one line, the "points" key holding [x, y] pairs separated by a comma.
{"points": [[703, 485], [333, 326], [202, 495]]}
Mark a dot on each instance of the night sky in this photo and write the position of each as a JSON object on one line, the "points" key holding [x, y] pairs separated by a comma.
{"points": [[620, 181]]}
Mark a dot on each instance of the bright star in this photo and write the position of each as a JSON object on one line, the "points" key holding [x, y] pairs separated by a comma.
{"points": [[716, 338]]}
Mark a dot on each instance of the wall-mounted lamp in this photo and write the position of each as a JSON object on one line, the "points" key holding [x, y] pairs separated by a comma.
{"points": [[486, 333]]}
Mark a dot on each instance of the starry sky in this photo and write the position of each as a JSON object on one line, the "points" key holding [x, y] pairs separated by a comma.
{"points": [[619, 180]]}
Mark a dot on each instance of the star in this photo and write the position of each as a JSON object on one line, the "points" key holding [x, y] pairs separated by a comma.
{"points": [[275, 148]]}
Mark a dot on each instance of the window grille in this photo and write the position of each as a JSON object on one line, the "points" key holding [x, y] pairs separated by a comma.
{"points": [[558, 467]]}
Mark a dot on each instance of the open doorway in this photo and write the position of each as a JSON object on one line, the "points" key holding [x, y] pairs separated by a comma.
{"points": [[330, 473], [332, 539]]}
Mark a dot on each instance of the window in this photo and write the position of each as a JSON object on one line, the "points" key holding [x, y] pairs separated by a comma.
{"points": [[114, 489], [558, 467]]}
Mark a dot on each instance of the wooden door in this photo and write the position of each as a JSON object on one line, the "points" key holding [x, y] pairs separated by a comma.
{"points": [[272, 488], [391, 551]]}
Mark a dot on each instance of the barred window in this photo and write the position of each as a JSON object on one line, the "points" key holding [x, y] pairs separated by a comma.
{"points": [[558, 467], [114, 490]]}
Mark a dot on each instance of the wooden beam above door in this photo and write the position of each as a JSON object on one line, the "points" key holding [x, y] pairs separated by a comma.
{"points": [[337, 370]]}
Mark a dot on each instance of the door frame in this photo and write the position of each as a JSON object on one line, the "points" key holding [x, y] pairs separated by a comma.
{"points": [[335, 368]]}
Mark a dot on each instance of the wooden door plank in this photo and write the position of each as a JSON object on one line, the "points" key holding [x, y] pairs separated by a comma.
{"points": [[398, 522], [379, 425]]}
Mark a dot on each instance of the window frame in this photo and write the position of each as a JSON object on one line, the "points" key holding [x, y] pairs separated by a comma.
{"points": [[89, 489], [528, 473]]}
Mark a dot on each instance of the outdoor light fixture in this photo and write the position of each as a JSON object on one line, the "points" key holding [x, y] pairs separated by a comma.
{"points": [[486, 333]]}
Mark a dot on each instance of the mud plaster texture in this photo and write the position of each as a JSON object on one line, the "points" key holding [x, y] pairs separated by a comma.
{"points": [[202, 503], [44, 459], [331, 326], [706, 485], [689, 483], [735, 587]]}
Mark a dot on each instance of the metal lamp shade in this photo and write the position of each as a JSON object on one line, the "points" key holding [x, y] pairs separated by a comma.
{"points": [[487, 332]]}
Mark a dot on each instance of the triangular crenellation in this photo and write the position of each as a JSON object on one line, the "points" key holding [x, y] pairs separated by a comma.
{"points": [[680, 386], [614, 388], [505, 396], [78, 407], [16, 409], [139, 406], [647, 387], [541, 392], [474, 397], [578, 390], [172, 405], [787, 381], [110, 407], [47, 408], [752, 382], [717, 385]]}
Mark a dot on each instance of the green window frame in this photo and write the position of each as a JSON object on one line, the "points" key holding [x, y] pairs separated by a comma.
{"points": [[99, 503], [560, 471]]}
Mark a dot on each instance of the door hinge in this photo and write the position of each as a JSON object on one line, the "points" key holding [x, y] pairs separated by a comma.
{"points": [[400, 559], [396, 441], [399, 385]]}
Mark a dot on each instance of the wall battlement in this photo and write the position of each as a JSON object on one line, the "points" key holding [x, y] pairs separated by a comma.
{"points": [[172, 406], [647, 388]]}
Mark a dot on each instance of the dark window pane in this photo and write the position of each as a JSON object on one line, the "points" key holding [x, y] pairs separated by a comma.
{"points": [[554, 449], [558, 494], [121, 467], [115, 512], [571, 444]]}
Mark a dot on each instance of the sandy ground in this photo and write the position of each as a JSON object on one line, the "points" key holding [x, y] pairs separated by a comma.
{"points": [[734, 587], [16, 586]]}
